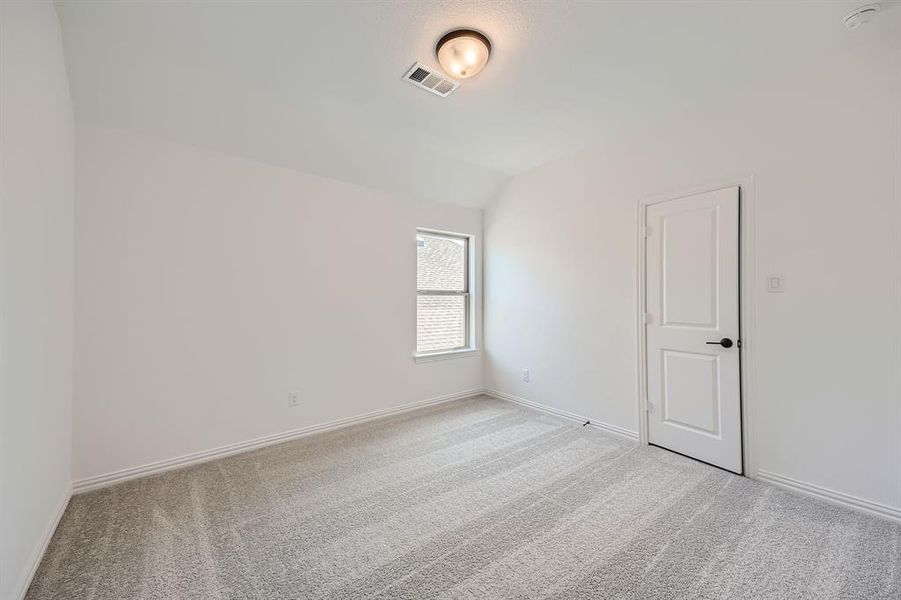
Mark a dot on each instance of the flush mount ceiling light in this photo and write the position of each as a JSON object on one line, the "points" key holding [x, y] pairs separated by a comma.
{"points": [[861, 16], [463, 52]]}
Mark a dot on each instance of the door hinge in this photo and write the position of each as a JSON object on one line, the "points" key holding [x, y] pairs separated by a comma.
{"points": [[649, 408], [645, 231], [646, 318]]}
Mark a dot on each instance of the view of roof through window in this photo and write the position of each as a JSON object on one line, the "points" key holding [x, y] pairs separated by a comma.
{"points": [[442, 285]]}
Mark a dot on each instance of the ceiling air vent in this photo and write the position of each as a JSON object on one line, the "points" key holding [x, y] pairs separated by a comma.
{"points": [[430, 80]]}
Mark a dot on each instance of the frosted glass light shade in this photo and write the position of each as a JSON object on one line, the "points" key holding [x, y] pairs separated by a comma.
{"points": [[463, 53]]}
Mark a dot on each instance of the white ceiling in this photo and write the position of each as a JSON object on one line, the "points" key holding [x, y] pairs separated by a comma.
{"points": [[317, 86]]}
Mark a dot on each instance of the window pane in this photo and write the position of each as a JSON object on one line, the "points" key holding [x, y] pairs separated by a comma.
{"points": [[440, 323], [440, 263]]}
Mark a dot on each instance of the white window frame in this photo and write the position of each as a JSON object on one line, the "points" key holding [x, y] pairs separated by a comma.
{"points": [[468, 294]]}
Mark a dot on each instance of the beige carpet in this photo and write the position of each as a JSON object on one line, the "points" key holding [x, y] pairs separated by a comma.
{"points": [[471, 499]]}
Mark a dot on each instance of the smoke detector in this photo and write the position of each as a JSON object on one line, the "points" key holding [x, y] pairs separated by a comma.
{"points": [[430, 80], [861, 16]]}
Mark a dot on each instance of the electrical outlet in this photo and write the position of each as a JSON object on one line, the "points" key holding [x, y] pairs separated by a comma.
{"points": [[294, 399], [526, 376]]}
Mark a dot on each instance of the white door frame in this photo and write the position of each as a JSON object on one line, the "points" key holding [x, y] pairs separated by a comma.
{"points": [[747, 309]]}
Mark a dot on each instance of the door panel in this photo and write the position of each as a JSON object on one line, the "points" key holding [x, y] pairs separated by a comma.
{"points": [[694, 400], [690, 391], [689, 274]]}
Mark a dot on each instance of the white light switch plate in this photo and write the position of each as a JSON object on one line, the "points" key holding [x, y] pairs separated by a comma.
{"points": [[775, 284]]}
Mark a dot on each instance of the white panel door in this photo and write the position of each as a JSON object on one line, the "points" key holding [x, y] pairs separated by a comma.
{"points": [[693, 377]]}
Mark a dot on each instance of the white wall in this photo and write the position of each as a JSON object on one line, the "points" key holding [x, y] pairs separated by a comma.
{"points": [[823, 147], [210, 287], [36, 190]]}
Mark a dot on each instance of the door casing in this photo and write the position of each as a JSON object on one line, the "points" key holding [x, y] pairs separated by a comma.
{"points": [[747, 309]]}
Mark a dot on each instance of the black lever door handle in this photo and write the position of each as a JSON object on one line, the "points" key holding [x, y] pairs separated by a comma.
{"points": [[725, 343]]}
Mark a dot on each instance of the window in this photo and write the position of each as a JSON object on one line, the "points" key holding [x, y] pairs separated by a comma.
{"points": [[443, 303]]}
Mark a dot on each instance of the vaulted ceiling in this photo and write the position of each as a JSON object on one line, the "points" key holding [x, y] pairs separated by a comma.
{"points": [[316, 86]]}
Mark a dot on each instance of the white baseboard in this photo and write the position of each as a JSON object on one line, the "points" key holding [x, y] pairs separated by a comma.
{"points": [[614, 429], [38, 553], [840, 498], [92, 483]]}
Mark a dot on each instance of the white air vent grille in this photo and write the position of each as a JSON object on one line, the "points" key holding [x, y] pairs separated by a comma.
{"points": [[430, 80]]}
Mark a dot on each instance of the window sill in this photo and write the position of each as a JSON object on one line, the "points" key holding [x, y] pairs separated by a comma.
{"points": [[433, 356]]}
